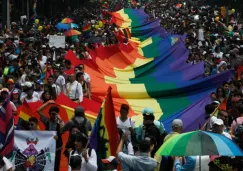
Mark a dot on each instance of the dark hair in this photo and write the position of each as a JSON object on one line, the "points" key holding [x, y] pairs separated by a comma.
{"points": [[240, 108], [43, 96], [144, 146], [75, 162], [33, 119], [68, 62], [54, 109], [125, 107], [80, 137]]}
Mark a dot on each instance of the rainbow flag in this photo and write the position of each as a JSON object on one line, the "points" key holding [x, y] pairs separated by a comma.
{"points": [[86, 30], [104, 136], [151, 71], [127, 33]]}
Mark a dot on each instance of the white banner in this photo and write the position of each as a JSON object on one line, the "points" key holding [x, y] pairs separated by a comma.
{"points": [[57, 41], [34, 150]]}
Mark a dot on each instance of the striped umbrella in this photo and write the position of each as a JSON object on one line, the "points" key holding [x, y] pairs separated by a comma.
{"points": [[67, 20], [199, 143], [72, 32]]}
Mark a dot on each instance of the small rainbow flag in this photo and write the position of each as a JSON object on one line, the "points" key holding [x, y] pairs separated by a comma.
{"points": [[104, 137]]}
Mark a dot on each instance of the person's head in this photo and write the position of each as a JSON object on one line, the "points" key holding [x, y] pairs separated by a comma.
{"points": [[77, 69], [111, 163], [50, 80], [75, 162], [56, 72], [68, 64], [220, 92], [74, 130], [33, 123], [80, 76], [81, 141], [124, 111], [46, 96], [236, 102], [72, 77], [215, 103], [4, 93], [209, 108], [224, 116], [148, 116], [79, 111], [177, 125], [213, 96], [226, 87], [10, 84], [53, 112], [38, 85], [144, 146], [82, 67], [218, 126], [15, 95]]}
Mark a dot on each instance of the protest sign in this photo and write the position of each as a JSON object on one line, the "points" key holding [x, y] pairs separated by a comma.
{"points": [[57, 41]]}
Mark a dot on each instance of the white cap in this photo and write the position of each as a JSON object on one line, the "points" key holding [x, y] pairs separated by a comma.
{"points": [[177, 123], [218, 122], [28, 84]]}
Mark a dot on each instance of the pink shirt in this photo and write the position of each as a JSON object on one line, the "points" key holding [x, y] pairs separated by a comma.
{"points": [[234, 126]]}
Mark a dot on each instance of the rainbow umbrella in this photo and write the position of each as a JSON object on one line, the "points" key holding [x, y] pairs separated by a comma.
{"points": [[199, 143], [67, 20], [73, 25], [72, 32]]}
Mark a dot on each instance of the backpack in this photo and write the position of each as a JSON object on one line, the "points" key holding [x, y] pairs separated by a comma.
{"points": [[239, 134], [81, 126]]}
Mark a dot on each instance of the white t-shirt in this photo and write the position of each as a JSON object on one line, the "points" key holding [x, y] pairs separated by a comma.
{"points": [[34, 99], [60, 81], [23, 95], [200, 34], [218, 55], [87, 77], [124, 126], [44, 59], [8, 165]]}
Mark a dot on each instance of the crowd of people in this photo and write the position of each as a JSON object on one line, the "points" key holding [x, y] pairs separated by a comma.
{"points": [[213, 37]]}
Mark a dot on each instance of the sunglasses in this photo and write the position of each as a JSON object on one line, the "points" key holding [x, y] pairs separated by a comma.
{"points": [[53, 113]]}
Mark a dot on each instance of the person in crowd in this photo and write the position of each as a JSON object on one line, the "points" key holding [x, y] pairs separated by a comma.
{"points": [[189, 163], [80, 79], [111, 163], [33, 124], [79, 120], [60, 80], [71, 141], [55, 123], [74, 89], [236, 131], [75, 163], [177, 126], [15, 98], [218, 127], [28, 91], [88, 155], [5, 93], [46, 96], [39, 87], [5, 164], [53, 85], [141, 162]]}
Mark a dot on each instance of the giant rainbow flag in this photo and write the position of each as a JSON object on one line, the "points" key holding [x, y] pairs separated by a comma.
{"points": [[151, 71]]}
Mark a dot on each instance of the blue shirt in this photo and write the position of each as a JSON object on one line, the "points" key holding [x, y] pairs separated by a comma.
{"points": [[142, 162], [188, 166]]}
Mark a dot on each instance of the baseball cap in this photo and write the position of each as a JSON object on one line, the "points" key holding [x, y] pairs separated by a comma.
{"points": [[111, 160], [39, 82], [10, 81], [28, 84], [148, 111], [15, 91], [218, 122], [177, 123]]}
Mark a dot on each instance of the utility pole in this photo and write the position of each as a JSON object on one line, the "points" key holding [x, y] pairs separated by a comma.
{"points": [[8, 13]]}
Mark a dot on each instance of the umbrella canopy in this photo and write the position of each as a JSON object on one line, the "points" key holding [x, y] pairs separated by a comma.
{"points": [[72, 32], [60, 26], [73, 25], [67, 20], [199, 143]]}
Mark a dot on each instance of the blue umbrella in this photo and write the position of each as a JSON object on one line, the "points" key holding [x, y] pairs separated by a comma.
{"points": [[73, 25], [60, 26]]}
